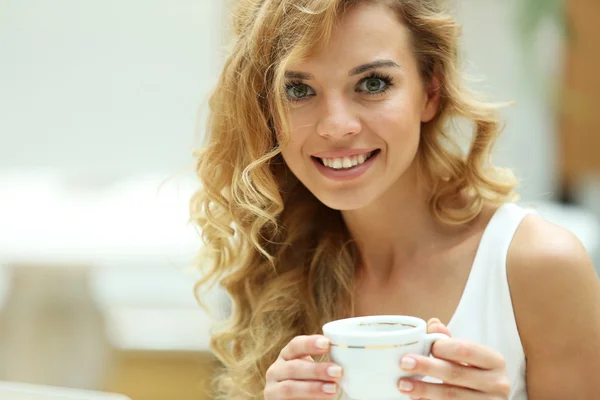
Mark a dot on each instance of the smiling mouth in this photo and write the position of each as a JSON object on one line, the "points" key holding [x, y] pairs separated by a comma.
{"points": [[344, 163]]}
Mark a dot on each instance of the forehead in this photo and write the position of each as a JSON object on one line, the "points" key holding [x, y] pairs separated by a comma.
{"points": [[365, 32]]}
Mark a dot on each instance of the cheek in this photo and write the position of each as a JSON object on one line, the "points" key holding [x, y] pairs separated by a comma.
{"points": [[299, 121], [396, 123], [291, 153], [292, 149], [301, 129]]}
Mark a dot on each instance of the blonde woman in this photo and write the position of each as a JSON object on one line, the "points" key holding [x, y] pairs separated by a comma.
{"points": [[332, 186]]}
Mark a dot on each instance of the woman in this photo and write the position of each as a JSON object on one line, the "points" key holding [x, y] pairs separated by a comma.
{"points": [[333, 187]]}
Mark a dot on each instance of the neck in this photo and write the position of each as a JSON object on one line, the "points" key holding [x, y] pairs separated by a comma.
{"points": [[396, 229]]}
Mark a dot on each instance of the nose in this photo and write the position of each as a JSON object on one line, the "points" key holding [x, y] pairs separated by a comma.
{"points": [[337, 120]]}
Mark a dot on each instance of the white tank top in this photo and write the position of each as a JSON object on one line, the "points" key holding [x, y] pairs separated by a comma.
{"points": [[485, 313]]}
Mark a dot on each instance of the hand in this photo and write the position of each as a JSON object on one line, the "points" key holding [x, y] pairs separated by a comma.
{"points": [[469, 371], [295, 375]]}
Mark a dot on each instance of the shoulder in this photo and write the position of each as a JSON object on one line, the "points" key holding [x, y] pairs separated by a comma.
{"points": [[552, 281], [542, 247]]}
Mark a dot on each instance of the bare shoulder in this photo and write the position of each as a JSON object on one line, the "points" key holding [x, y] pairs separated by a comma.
{"points": [[556, 297], [547, 263], [541, 244], [544, 256]]}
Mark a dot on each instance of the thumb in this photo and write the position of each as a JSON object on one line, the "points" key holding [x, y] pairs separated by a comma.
{"points": [[434, 325]]}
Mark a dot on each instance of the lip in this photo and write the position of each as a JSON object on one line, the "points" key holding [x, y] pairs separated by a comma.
{"points": [[343, 153], [345, 174]]}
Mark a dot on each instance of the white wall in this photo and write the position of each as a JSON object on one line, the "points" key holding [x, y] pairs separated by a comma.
{"points": [[104, 88], [112, 88], [492, 46]]}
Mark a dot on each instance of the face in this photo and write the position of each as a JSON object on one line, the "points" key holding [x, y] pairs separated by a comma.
{"points": [[356, 110]]}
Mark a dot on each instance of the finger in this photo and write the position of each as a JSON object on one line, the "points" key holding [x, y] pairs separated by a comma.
{"points": [[304, 370], [298, 390], [272, 373], [466, 352], [302, 346], [435, 391], [457, 375], [436, 326]]}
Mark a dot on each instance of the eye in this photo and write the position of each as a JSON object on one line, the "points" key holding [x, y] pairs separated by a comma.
{"points": [[297, 91], [375, 84]]}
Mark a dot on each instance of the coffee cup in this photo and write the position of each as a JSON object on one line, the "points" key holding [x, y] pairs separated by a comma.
{"points": [[369, 350]]}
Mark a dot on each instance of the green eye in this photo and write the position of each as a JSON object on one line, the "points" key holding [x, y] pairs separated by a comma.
{"points": [[374, 84], [298, 91]]}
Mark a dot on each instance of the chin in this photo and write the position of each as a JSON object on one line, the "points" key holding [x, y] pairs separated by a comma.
{"points": [[344, 202]]}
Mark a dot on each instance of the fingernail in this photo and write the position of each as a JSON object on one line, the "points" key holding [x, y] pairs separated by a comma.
{"points": [[329, 388], [406, 386], [334, 371], [434, 326], [408, 363], [433, 321], [323, 343]]}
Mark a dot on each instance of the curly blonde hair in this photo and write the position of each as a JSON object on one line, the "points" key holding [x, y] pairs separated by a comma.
{"points": [[287, 276]]}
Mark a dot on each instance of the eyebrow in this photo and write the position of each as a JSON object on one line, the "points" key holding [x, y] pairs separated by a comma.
{"points": [[355, 71], [374, 65]]}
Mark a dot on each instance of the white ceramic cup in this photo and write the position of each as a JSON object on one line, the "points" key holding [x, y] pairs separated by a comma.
{"points": [[369, 350]]}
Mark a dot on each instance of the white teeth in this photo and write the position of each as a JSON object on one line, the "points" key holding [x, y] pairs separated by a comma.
{"points": [[345, 162]]}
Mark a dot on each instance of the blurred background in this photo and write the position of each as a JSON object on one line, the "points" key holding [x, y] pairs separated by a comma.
{"points": [[101, 105]]}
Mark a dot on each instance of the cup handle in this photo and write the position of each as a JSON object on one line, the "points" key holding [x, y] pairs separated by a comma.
{"points": [[431, 338]]}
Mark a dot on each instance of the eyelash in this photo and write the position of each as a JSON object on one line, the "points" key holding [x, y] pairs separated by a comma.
{"points": [[386, 79]]}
